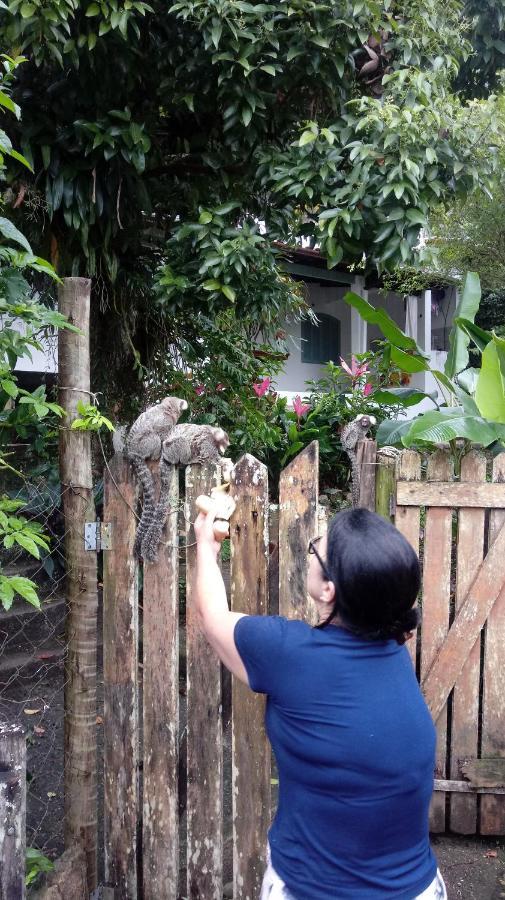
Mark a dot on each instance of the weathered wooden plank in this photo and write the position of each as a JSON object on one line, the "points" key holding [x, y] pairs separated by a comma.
{"points": [[160, 839], [385, 486], [439, 493], [465, 705], [298, 523], [12, 812], [250, 749], [492, 809], [204, 731], [463, 787], [367, 463], [407, 519], [273, 559], [120, 676], [466, 628], [485, 773], [436, 599]]}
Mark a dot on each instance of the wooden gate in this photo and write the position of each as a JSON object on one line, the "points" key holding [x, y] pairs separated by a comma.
{"points": [[166, 738], [457, 527], [174, 757]]}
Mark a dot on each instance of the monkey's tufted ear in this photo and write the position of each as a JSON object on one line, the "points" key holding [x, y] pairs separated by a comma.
{"points": [[221, 438]]}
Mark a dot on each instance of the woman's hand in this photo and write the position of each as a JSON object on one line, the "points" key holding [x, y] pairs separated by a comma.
{"points": [[204, 531]]}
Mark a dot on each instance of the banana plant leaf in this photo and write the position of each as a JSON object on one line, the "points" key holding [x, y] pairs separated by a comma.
{"points": [[379, 317], [468, 304], [390, 432], [402, 397], [442, 426], [490, 389], [476, 334], [468, 380]]}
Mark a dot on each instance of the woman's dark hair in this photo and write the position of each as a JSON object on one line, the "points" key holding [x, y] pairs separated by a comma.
{"points": [[376, 576]]}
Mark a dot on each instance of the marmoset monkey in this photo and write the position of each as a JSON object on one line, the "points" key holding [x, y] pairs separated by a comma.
{"points": [[144, 441], [350, 436], [186, 444]]}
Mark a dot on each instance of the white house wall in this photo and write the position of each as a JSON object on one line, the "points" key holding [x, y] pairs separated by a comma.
{"points": [[324, 299]]}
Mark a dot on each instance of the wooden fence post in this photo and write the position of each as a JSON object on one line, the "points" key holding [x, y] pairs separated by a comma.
{"points": [[80, 762], [120, 676], [298, 523], [12, 812], [160, 620], [204, 732], [250, 752], [367, 464], [385, 486]]}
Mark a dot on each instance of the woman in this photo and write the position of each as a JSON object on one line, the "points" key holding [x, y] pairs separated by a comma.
{"points": [[351, 733]]}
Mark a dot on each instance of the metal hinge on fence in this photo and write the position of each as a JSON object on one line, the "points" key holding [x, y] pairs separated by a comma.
{"points": [[97, 536]]}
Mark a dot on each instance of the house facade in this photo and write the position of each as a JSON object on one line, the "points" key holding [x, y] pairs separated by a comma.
{"points": [[427, 317]]}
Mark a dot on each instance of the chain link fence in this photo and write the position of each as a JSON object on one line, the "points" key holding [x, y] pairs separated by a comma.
{"points": [[32, 661]]}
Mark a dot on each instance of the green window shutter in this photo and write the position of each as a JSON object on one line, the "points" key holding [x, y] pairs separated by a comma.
{"points": [[320, 343]]}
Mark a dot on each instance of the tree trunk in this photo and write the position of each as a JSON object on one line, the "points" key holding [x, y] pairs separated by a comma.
{"points": [[81, 583]]}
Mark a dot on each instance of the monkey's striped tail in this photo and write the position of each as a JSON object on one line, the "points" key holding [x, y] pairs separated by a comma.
{"points": [[152, 536], [148, 503]]}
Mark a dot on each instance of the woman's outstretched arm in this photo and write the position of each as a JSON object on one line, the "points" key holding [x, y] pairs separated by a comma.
{"points": [[216, 620]]}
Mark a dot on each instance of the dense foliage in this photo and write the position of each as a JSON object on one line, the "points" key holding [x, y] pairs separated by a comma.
{"points": [[23, 414], [173, 146]]}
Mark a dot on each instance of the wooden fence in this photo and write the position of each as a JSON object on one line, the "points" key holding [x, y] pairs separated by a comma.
{"points": [[161, 760]]}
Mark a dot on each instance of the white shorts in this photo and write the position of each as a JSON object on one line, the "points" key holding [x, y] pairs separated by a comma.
{"points": [[273, 887]]}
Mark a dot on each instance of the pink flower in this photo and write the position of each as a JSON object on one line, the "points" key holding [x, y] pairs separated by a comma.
{"points": [[199, 389], [367, 390], [261, 389], [357, 369], [299, 407], [220, 386]]}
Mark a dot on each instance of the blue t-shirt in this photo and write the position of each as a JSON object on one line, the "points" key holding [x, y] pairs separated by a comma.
{"points": [[355, 750]]}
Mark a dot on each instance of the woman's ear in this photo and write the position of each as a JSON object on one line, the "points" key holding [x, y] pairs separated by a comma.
{"points": [[328, 592]]}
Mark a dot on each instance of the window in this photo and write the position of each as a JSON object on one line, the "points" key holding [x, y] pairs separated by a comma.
{"points": [[321, 342]]}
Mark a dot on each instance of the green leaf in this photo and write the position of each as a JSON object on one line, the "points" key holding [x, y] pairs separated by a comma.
{"points": [[226, 208], [27, 10], [212, 285], [205, 217], [25, 588], [9, 104], [307, 138], [246, 115], [379, 317], [468, 304], [409, 362], [228, 292], [416, 217], [11, 233], [27, 543], [93, 10], [401, 397], [6, 592], [468, 380], [490, 389], [442, 426], [9, 387], [391, 432], [479, 337]]}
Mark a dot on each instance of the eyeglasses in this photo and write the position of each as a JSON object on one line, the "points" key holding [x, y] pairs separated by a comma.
{"points": [[311, 549]]}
